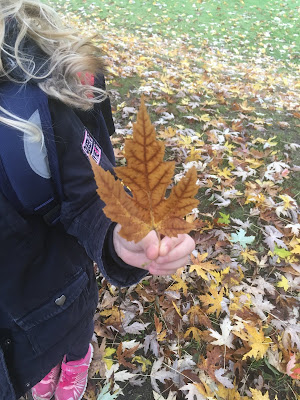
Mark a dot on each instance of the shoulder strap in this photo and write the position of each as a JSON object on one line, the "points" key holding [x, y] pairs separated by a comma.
{"points": [[29, 171]]}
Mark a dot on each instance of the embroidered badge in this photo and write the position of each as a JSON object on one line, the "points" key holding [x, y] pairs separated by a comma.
{"points": [[91, 147]]}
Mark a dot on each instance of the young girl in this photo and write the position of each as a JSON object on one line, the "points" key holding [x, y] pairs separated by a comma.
{"points": [[48, 292]]}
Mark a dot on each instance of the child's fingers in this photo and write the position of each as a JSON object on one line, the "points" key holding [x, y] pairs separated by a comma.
{"points": [[167, 268], [182, 247], [150, 245], [168, 243]]}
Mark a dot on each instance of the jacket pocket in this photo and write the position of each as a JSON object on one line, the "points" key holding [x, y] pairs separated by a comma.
{"points": [[6, 388], [51, 322]]}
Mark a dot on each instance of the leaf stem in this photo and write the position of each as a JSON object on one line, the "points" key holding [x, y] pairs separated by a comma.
{"points": [[158, 237]]}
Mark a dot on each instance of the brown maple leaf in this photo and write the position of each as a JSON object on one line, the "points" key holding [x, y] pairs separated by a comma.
{"points": [[197, 316], [212, 362], [147, 176], [126, 353]]}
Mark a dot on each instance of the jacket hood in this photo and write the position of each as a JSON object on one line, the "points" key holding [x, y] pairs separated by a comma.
{"points": [[34, 60]]}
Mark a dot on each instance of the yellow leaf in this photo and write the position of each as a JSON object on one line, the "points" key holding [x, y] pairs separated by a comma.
{"points": [[109, 351], [271, 143], [210, 102], [257, 395], [257, 198], [259, 140], [219, 276], [257, 340], [283, 283], [202, 268], [184, 141], [249, 255], [230, 394], [148, 176], [204, 389], [204, 118], [236, 303], [142, 360], [246, 107], [168, 132], [200, 257], [177, 309], [106, 313], [295, 244], [215, 300], [196, 333], [167, 90], [114, 315], [288, 202], [195, 155], [229, 147], [296, 250], [179, 285], [161, 334], [254, 163], [225, 173]]}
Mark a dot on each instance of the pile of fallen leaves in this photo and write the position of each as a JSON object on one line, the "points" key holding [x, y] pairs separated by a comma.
{"points": [[226, 326]]}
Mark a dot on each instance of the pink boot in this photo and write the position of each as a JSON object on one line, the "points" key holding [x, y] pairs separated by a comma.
{"points": [[44, 390], [73, 379]]}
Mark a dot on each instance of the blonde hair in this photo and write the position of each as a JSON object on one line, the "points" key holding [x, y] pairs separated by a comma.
{"points": [[67, 57]]}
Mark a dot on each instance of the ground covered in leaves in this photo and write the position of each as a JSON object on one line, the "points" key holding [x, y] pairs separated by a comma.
{"points": [[226, 327]]}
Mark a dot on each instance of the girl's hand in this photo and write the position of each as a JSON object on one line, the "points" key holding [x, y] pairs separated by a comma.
{"points": [[158, 257]]}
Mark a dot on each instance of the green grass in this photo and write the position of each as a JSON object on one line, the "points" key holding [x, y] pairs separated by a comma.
{"points": [[250, 27], [240, 29]]}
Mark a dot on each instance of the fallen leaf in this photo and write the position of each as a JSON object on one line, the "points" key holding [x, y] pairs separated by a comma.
{"points": [[143, 361], [196, 333], [222, 379], [241, 238], [122, 354], [226, 338], [159, 374], [193, 392], [106, 395], [283, 283], [257, 395], [257, 340]]}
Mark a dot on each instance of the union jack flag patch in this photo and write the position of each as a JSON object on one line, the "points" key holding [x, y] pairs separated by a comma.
{"points": [[91, 147]]}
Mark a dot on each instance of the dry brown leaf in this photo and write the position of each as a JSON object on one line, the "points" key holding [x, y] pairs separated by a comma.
{"points": [[102, 331], [161, 334], [213, 361], [98, 364], [127, 353], [148, 176], [197, 316]]}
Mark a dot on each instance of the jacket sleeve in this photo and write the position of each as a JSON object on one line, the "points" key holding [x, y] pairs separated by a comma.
{"points": [[82, 209]]}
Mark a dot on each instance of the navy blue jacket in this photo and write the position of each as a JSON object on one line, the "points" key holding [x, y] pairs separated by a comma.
{"points": [[40, 263]]}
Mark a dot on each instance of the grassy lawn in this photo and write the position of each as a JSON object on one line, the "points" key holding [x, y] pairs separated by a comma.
{"points": [[243, 35], [221, 83], [248, 27]]}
